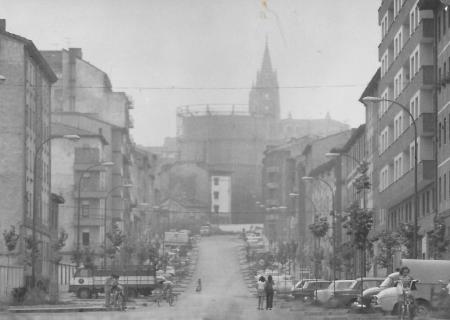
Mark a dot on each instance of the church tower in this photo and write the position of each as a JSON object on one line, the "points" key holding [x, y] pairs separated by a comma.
{"points": [[264, 97]]}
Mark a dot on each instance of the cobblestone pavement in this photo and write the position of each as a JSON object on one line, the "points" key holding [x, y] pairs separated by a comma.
{"points": [[227, 294]]}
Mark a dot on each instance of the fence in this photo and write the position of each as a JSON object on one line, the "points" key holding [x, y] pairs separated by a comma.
{"points": [[65, 272], [10, 277]]}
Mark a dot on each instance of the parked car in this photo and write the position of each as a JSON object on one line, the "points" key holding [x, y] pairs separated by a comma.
{"points": [[205, 230], [364, 302], [323, 296], [304, 290], [346, 296], [428, 272]]}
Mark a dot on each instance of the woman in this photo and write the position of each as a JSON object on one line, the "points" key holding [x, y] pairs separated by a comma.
{"points": [[260, 288], [268, 288]]}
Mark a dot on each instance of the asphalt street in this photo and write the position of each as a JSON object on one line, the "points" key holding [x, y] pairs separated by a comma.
{"points": [[224, 294]]}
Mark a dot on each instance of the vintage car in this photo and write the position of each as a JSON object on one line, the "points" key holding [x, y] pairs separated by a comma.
{"points": [[304, 290], [346, 296], [323, 296]]}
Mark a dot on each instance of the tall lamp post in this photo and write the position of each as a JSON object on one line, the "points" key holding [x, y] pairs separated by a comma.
{"points": [[104, 218], [333, 212], [368, 99], [363, 253], [39, 148], [102, 164]]}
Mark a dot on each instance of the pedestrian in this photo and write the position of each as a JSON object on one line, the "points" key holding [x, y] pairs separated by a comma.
{"points": [[110, 282], [261, 293], [268, 288]]}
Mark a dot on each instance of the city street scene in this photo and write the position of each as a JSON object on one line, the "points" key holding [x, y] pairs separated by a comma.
{"points": [[215, 160]]}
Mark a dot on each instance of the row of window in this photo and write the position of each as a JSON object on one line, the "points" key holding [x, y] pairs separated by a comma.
{"points": [[414, 17], [444, 129], [404, 213], [443, 23], [398, 168], [442, 185]]}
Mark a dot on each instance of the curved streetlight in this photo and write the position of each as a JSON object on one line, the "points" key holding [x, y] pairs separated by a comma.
{"points": [[2, 79], [333, 213], [101, 164], [127, 186], [369, 99], [39, 148]]}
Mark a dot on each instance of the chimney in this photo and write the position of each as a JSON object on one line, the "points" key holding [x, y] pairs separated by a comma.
{"points": [[76, 52], [2, 25]]}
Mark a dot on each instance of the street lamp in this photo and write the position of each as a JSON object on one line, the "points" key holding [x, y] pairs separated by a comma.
{"points": [[368, 99], [39, 148], [2, 79], [104, 219], [334, 155], [334, 223], [102, 164]]}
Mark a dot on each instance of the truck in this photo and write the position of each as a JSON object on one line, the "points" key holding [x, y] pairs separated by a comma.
{"points": [[88, 283], [429, 273]]}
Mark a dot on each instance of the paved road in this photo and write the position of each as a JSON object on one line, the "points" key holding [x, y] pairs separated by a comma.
{"points": [[224, 294]]}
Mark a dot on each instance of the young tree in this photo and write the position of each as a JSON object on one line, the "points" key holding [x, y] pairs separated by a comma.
{"points": [[57, 245], [11, 239], [438, 240], [116, 239], [406, 232], [389, 243], [319, 229]]}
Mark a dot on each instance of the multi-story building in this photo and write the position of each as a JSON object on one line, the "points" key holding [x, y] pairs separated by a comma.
{"points": [[83, 98], [407, 77], [24, 153]]}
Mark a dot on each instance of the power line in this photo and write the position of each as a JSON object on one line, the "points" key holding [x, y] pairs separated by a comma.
{"points": [[316, 86]]}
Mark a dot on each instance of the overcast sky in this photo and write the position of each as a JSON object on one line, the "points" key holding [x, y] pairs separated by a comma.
{"points": [[150, 46]]}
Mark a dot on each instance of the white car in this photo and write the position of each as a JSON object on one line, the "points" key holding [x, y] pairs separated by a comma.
{"points": [[323, 296]]}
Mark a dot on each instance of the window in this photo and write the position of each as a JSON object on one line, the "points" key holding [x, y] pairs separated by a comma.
{"points": [[427, 207], [398, 125], [384, 25], [384, 105], [397, 6], [216, 194], [216, 208], [444, 131], [398, 166], [440, 135], [398, 43], [398, 83], [444, 185], [414, 19], [216, 181], [384, 63], [414, 107], [440, 189], [85, 209], [414, 63], [384, 140], [85, 238], [411, 155], [384, 178]]}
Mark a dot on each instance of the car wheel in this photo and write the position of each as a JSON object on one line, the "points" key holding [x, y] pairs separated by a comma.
{"points": [[84, 293], [422, 309]]}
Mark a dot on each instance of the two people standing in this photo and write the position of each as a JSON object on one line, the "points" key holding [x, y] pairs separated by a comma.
{"points": [[265, 289]]}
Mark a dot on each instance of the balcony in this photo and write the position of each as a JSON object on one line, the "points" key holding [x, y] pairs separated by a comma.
{"points": [[96, 221], [90, 194]]}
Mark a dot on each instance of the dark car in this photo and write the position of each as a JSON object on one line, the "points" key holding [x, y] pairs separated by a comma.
{"points": [[345, 297], [306, 289]]}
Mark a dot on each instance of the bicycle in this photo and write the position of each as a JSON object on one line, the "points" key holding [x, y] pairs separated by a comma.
{"points": [[407, 306]]}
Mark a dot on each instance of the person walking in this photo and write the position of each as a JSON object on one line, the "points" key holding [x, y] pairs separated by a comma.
{"points": [[260, 287], [268, 288], [109, 284]]}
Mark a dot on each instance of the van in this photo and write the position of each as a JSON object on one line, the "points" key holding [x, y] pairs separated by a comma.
{"points": [[428, 272]]}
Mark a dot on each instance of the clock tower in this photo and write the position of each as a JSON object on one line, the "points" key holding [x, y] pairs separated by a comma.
{"points": [[264, 97]]}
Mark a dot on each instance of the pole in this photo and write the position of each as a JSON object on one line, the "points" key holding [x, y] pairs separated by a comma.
{"points": [[104, 234]]}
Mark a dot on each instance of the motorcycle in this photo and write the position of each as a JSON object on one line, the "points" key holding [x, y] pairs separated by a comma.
{"points": [[199, 286], [441, 299]]}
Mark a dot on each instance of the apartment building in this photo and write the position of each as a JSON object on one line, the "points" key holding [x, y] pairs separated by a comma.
{"points": [[407, 77], [24, 153]]}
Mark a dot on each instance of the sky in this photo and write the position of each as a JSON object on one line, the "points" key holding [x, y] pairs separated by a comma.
{"points": [[170, 53]]}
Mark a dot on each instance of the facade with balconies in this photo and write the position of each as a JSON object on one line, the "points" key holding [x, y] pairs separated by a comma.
{"points": [[406, 76]]}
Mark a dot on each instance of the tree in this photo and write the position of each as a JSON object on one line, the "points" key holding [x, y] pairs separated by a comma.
{"points": [[319, 229], [389, 243], [438, 240], [11, 239], [57, 245], [362, 182], [358, 223], [406, 232], [116, 239]]}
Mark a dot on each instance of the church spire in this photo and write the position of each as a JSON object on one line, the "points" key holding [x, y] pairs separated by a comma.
{"points": [[266, 64]]}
